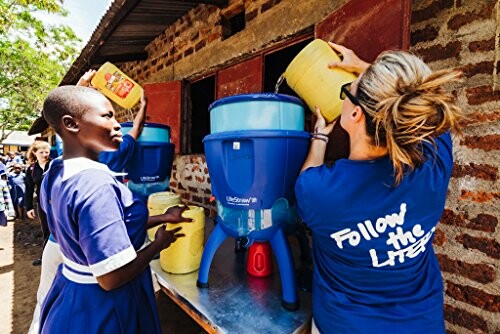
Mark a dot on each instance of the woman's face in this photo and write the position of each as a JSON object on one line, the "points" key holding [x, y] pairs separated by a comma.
{"points": [[348, 105], [42, 154], [99, 130]]}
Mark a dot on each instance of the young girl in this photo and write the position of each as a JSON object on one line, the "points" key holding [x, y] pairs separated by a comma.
{"points": [[38, 155], [373, 214], [104, 284]]}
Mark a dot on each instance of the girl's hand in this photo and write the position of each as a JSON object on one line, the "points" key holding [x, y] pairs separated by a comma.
{"points": [[174, 214], [30, 214], [321, 126], [350, 62], [167, 237], [86, 78]]}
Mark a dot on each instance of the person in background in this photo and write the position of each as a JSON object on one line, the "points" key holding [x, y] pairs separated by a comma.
{"points": [[6, 207], [18, 188], [12, 158], [100, 228], [38, 156], [373, 215]]}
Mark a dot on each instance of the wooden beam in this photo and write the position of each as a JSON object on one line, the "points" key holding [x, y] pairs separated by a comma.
{"points": [[120, 58]]}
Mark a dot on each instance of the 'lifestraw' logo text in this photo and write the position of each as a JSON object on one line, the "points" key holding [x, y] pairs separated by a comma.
{"points": [[241, 201]]}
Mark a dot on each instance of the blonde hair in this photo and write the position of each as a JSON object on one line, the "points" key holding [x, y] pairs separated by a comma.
{"points": [[37, 145], [406, 104]]}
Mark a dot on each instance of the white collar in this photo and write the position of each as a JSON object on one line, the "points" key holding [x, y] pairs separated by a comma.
{"points": [[76, 165]]}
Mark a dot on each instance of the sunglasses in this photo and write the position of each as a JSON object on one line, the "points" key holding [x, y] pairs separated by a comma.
{"points": [[345, 91]]}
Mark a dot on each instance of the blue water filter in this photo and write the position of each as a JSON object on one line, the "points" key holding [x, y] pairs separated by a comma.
{"points": [[254, 155], [149, 168]]}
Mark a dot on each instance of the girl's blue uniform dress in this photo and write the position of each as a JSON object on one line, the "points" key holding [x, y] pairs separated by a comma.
{"points": [[374, 267], [99, 226]]}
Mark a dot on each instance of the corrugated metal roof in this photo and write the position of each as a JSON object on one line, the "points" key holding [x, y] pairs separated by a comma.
{"points": [[19, 138], [126, 29]]}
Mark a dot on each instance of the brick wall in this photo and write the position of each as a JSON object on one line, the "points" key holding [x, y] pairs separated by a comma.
{"points": [[446, 33], [461, 34], [193, 46]]}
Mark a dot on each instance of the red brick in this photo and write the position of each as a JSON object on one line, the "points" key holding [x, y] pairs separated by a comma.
{"points": [[484, 67], [483, 222], [439, 52], [465, 319], [439, 238], [427, 34], [266, 6], [451, 218], [473, 296], [482, 94], [213, 37], [485, 143], [460, 20], [479, 272], [478, 196], [489, 247], [430, 11], [250, 16], [480, 117], [197, 199], [483, 172]]}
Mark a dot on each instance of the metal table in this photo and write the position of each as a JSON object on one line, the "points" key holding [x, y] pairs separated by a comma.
{"points": [[235, 302]]}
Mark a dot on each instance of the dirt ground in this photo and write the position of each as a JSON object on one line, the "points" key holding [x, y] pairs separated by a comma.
{"points": [[20, 244]]}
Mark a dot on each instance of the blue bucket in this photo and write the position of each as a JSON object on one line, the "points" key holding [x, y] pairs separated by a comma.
{"points": [[151, 163]]}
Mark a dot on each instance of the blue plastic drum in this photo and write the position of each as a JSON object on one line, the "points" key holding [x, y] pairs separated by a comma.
{"points": [[151, 163], [257, 112]]}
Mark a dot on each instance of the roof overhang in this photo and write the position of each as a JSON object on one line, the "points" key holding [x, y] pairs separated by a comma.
{"points": [[126, 29]]}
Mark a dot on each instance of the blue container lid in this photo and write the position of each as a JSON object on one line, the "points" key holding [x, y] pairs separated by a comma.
{"points": [[256, 97], [146, 125], [257, 134]]}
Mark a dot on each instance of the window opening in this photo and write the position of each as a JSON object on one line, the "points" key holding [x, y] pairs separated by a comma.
{"points": [[202, 95]]}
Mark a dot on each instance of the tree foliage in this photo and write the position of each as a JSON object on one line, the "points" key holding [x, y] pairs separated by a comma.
{"points": [[34, 56]]}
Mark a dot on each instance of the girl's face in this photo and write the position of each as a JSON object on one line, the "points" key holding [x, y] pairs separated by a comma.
{"points": [[99, 130], [42, 154]]}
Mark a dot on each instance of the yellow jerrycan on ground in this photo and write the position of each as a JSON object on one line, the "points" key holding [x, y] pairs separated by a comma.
{"points": [[184, 255], [117, 86], [309, 76], [158, 203]]}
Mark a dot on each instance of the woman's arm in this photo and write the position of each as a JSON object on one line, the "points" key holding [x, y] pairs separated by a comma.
{"points": [[316, 155], [173, 215], [123, 275]]}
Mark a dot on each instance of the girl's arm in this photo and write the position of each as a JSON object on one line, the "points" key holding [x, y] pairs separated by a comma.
{"points": [[123, 275], [173, 215]]}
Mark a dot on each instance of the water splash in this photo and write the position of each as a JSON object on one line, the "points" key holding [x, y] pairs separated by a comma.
{"points": [[278, 83]]}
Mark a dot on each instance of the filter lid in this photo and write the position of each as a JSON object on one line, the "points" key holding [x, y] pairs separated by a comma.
{"points": [[256, 97]]}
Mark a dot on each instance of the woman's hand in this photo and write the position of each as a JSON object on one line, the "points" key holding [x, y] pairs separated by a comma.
{"points": [[350, 62], [321, 126], [86, 78], [30, 214], [167, 237]]}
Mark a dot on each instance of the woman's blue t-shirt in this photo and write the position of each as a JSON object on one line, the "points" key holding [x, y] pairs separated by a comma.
{"points": [[375, 270]]}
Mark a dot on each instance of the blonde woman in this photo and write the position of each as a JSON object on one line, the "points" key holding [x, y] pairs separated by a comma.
{"points": [[38, 156], [373, 215]]}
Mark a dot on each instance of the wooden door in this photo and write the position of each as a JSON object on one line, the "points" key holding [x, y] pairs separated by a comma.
{"points": [[164, 107]]}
